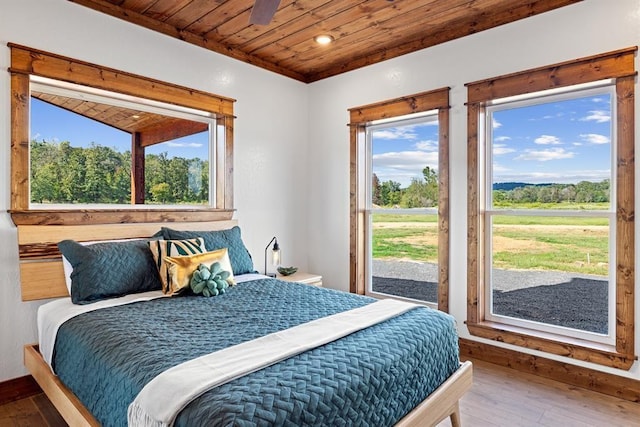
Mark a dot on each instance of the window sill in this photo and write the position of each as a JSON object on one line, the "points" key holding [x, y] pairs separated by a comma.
{"points": [[118, 215], [555, 344]]}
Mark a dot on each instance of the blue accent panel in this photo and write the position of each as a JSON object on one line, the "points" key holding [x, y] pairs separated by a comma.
{"points": [[372, 377]]}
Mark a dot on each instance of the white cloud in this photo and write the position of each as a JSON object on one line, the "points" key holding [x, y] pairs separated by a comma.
{"points": [[547, 117], [406, 160], [403, 165], [185, 144], [594, 138], [598, 116], [502, 138], [547, 140], [496, 124], [555, 153], [428, 145], [499, 149], [405, 132], [499, 170], [404, 178]]}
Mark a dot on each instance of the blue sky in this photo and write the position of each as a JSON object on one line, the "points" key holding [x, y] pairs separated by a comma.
{"points": [[400, 153], [560, 142], [54, 124]]}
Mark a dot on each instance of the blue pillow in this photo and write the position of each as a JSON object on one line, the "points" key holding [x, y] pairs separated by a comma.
{"points": [[109, 269], [239, 256]]}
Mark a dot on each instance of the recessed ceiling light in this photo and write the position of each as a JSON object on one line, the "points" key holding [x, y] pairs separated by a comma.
{"points": [[135, 116], [323, 39]]}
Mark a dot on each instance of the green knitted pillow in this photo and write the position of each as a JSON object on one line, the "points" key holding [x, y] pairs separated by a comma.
{"points": [[209, 281]]}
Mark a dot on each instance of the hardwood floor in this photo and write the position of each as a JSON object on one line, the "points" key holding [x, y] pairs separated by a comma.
{"points": [[32, 411], [500, 397]]}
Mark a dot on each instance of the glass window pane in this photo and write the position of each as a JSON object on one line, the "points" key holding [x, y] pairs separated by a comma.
{"points": [[405, 254], [553, 153], [404, 197], [177, 171], [552, 270], [75, 159], [81, 152], [550, 155]]}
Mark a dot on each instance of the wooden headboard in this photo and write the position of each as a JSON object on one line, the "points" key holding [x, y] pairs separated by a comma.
{"points": [[41, 271]]}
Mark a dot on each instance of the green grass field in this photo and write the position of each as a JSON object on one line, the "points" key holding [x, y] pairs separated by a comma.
{"points": [[579, 245]]}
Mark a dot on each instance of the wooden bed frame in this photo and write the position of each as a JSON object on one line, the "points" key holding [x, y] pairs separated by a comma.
{"points": [[42, 277]]}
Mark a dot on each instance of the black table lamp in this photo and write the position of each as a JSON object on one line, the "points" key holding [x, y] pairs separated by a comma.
{"points": [[275, 256]]}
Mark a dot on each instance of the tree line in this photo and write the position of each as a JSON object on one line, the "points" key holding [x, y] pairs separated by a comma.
{"points": [[61, 173], [582, 192], [423, 192]]}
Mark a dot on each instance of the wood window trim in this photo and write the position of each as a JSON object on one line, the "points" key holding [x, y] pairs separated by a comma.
{"points": [[360, 117], [27, 62], [617, 65]]}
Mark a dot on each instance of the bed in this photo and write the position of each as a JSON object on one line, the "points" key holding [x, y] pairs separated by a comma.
{"points": [[403, 371]]}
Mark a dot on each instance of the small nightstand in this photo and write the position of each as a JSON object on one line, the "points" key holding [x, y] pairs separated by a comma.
{"points": [[301, 277]]}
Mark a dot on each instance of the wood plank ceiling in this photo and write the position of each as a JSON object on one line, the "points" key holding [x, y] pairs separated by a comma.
{"points": [[364, 31], [151, 128]]}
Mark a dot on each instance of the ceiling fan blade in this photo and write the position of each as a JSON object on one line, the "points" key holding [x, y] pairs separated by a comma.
{"points": [[263, 11]]}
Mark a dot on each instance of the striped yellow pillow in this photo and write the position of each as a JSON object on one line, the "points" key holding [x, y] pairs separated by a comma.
{"points": [[181, 268], [163, 248]]}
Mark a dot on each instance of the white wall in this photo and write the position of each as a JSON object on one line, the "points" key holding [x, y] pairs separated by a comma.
{"points": [[587, 28], [270, 134]]}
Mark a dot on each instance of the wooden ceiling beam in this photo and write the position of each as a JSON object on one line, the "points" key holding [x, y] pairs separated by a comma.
{"points": [[170, 129]]}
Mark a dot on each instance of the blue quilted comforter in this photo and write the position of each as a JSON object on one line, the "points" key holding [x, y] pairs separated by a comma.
{"points": [[370, 378]]}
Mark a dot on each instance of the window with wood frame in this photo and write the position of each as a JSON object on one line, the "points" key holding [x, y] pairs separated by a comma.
{"points": [[400, 198], [551, 209], [136, 146]]}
